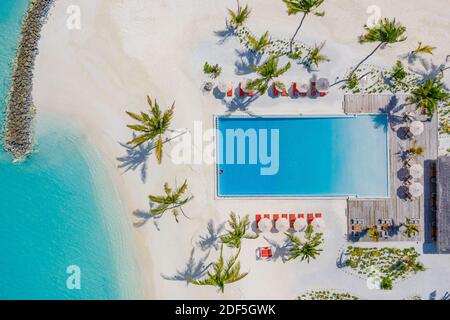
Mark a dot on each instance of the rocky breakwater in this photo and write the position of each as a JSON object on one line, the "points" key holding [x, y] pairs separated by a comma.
{"points": [[20, 110]]}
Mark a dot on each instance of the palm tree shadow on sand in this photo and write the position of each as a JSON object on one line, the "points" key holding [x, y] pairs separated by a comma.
{"points": [[144, 216], [280, 250], [135, 158], [225, 34], [195, 268], [210, 239]]}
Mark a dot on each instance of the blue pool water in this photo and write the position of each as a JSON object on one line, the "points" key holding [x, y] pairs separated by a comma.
{"points": [[58, 208], [317, 156]]}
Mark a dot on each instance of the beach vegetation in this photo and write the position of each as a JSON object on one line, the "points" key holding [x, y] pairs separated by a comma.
{"points": [[223, 272], [152, 127], [238, 231], [428, 95], [305, 250], [259, 45], [327, 295], [315, 57], [416, 150], [173, 199], [240, 16], [268, 72], [304, 7], [423, 49], [411, 229], [213, 70], [386, 283], [374, 233], [387, 31], [386, 262]]}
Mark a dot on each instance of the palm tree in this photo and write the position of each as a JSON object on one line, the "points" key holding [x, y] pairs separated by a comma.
{"points": [[223, 273], [172, 200], [305, 250], [416, 150], [428, 95], [258, 45], [302, 6], [152, 126], [387, 31], [411, 229], [238, 231], [213, 70], [268, 72], [373, 233], [315, 57], [423, 49], [239, 17]]}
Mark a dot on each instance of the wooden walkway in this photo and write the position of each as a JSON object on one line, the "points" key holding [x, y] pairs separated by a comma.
{"points": [[396, 207]]}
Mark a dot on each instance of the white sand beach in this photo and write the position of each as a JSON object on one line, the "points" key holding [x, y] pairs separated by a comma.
{"points": [[127, 49]]}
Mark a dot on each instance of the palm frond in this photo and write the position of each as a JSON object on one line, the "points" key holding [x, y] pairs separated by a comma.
{"points": [[425, 49]]}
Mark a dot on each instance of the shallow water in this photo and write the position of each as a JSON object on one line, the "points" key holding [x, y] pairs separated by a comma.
{"points": [[58, 208]]}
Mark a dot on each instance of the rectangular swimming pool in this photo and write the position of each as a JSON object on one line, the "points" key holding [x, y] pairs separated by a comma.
{"points": [[327, 156]]}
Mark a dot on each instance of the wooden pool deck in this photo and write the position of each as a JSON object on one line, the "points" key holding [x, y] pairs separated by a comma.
{"points": [[396, 207]]}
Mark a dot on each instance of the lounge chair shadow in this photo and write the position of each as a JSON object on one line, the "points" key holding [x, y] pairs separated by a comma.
{"points": [[211, 238], [280, 250], [135, 158], [195, 268]]}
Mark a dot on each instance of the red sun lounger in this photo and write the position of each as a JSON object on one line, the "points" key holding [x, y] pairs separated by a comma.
{"points": [[313, 88], [318, 215], [265, 252], [292, 219], [257, 219], [310, 217]]}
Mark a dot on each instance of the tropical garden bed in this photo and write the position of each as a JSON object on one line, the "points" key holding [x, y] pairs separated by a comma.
{"points": [[389, 264], [327, 294]]}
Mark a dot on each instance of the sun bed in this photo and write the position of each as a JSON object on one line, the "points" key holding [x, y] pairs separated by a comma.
{"points": [[322, 86], [313, 88], [257, 219], [292, 218], [310, 217], [264, 253]]}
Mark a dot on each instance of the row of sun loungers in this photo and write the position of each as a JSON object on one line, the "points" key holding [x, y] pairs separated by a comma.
{"points": [[314, 88], [290, 220]]}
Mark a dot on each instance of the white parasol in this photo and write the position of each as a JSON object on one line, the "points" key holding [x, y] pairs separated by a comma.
{"points": [[222, 86], [317, 224], [416, 189], [416, 128], [322, 84], [300, 224], [265, 225], [416, 171], [282, 225]]}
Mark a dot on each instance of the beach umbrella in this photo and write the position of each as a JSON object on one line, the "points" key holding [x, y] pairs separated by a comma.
{"points": [[416, 189], [416, 128], [222, 86], [300, 225], [416, 171], [282, 225], [317, 224], [323, 84], [303, 87], [265, 225]]}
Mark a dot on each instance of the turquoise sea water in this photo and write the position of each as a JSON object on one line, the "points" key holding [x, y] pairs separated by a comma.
{"points": [[318, 156], [58, 208]]}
